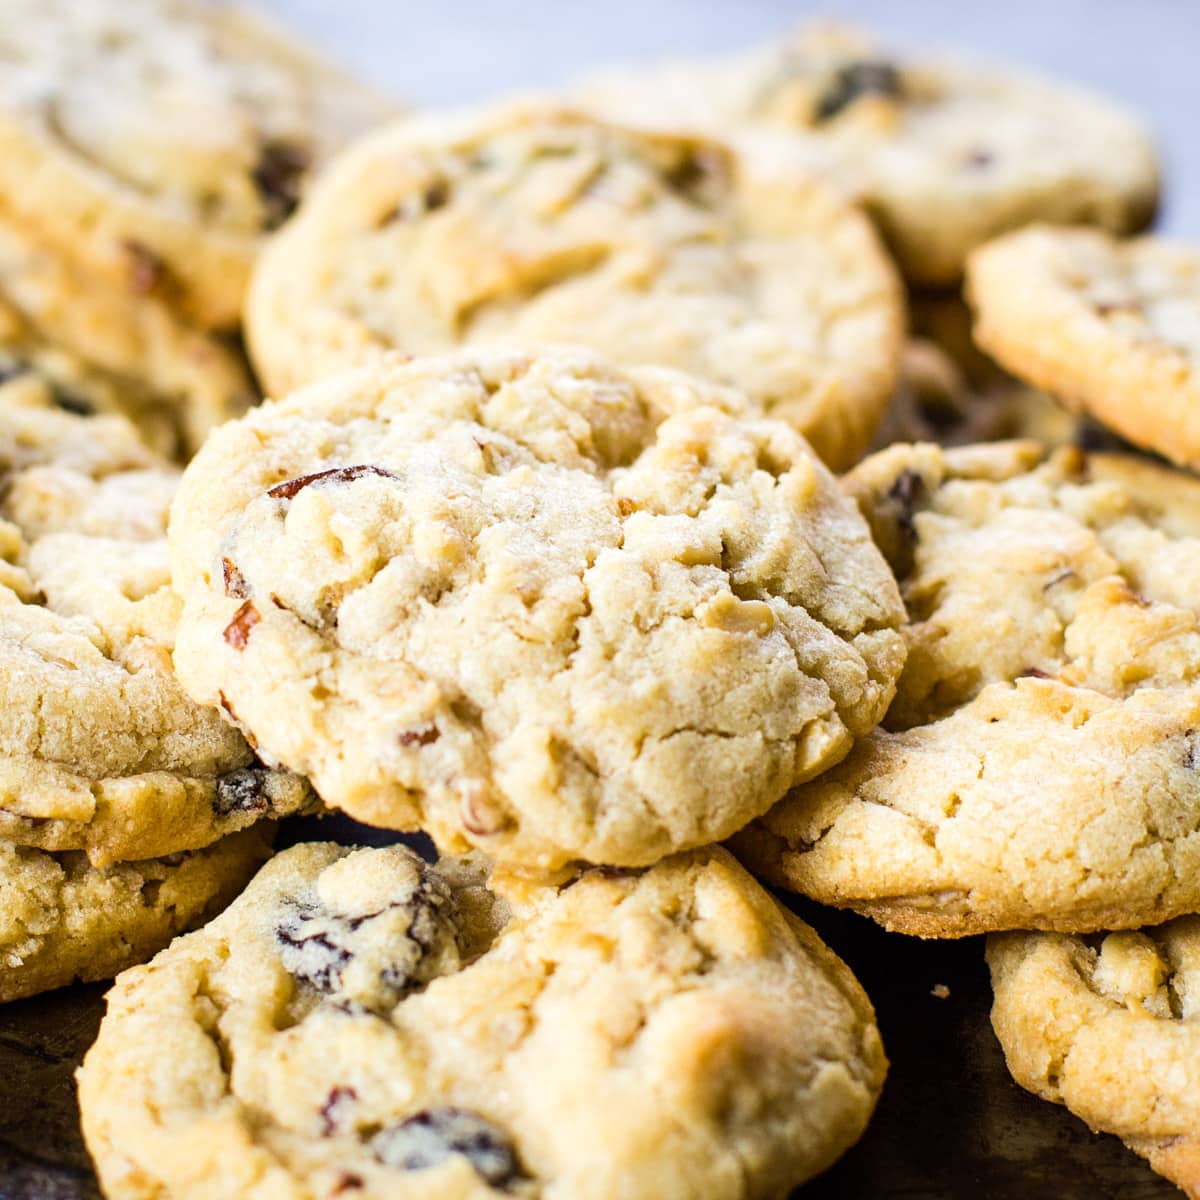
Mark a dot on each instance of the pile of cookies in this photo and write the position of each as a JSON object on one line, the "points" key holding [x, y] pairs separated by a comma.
{"points": [[536, 547]]}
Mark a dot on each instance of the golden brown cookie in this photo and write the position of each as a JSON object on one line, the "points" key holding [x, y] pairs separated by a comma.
{"points": [[532, 223], [1038, 767], [1111, 328], [100, 748], [943, 153], [1106, 1025], [532, 602], [157, 141], [362, 1023]]}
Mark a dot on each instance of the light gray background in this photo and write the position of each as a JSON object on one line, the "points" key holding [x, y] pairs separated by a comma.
{"points": [[1146, 52]]}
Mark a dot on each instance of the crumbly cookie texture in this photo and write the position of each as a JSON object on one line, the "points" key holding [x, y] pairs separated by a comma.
{"points": [[363, 1023], [63, 920], [96, 348], [535, 223], [157, 141], [935, 401], [100, 748], [1107, 1026], [944, 154], [533, 602], [1111, 328], [1038, 768]]}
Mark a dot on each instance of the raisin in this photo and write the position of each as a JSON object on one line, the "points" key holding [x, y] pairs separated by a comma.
{"points": [[437, 195], [903, 493], [71, 401], [430, 1137], [278, 177], [242, 791], [337, 1099], [311, 954], [237, 632], [373, 959], [696, 171], [290, 487], [854, 80]]}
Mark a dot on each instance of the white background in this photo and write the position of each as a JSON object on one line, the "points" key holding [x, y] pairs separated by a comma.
{"points": [[1146, 52]]}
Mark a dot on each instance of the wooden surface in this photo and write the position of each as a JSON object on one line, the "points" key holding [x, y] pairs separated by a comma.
{"points": [[951, 1125]]}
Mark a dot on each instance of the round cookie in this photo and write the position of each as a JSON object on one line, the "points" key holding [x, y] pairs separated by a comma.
{"points": [[1111, 328], [533, 223], [532, 602], [98, 349], [100, 749], [363, 1023], [157, 141], [63, 920], [1107, 1026], [1038, 766], [944, 154]]}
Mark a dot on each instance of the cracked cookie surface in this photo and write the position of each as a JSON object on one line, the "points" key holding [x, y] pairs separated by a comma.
{"points": [[533, 602], [1111, 328], [667, 1032], [158, 140], [1109, 1026], [535, 223], [944, 154], [63, 920], [1037, 768], [100, 748]]}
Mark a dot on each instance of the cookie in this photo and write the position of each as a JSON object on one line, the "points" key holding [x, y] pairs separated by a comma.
{"points": [[1111, 328], [362, 1023], [100, 749], [1106, 1026], [935, 402], [157, 141], [96, 349], [1038, 766], [532, 602], [63, 920], [944, 154], [532, 223]]}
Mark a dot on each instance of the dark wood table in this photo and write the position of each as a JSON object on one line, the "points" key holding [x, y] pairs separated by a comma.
{"points": [[952, 1125]]}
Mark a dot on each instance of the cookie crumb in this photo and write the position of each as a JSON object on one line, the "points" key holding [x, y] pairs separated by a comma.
{"points": [[940, 991]]}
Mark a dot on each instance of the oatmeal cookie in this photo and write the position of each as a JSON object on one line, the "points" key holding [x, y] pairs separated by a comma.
{"points": [[532, 602], [1106, 1026], [535, 223], [63, 920], [100, 748], [1111, 328], [1038, 767], [944, 154], [157, 141], [363, 1023]]}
